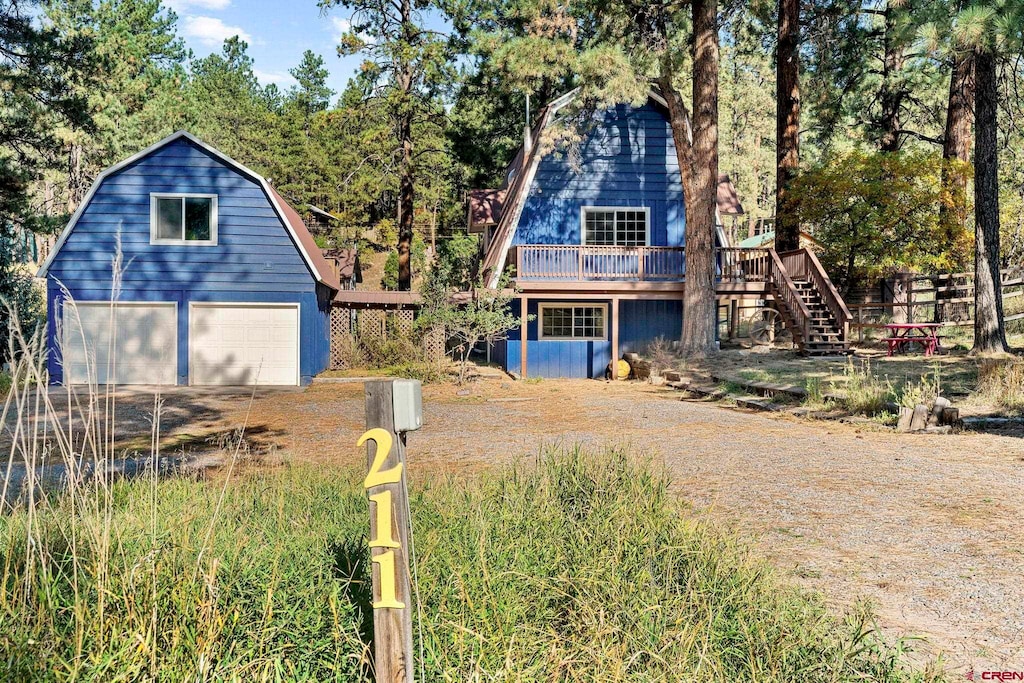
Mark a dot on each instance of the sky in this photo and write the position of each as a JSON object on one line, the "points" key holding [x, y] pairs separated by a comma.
{"points": [[278, 32]]}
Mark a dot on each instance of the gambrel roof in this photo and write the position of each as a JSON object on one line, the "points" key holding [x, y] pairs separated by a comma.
{"points": [[291, 220]]}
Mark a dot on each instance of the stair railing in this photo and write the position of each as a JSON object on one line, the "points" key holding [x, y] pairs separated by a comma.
{"points": [[785, 291], [829, 294]]}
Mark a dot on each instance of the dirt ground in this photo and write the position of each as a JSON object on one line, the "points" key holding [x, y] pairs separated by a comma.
{"points": [[927, 527]]}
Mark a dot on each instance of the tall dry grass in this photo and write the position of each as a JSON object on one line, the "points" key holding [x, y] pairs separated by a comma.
{"points": [[1001, 382]]}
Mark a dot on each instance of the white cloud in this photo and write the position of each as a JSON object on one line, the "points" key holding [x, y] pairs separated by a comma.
{"points": [[211, 31], [184, 5], [341, 27], [267, 77]]}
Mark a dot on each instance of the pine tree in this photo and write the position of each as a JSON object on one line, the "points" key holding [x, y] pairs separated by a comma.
{"points": [[406, 64], [40, 73], [787, 121], [989, 29], [311, 95]]}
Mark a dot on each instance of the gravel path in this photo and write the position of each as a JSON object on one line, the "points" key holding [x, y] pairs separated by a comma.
{"points": [[928, 527]]}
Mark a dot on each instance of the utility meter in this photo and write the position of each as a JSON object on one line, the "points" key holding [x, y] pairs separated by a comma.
{"points": [[407, 404]]}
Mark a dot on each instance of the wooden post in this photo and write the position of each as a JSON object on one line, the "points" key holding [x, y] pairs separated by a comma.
{"points": [[615, 338], [734, 318], [389, 538], [908, 285], [524, 308]]}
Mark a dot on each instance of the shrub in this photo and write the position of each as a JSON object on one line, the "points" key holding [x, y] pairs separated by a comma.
{"points": [[659, 352], [21, 300]]}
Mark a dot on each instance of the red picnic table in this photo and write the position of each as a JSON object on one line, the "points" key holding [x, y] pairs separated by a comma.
{"points": [[902, 335]]}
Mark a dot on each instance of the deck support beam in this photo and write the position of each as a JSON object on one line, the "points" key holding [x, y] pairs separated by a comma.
{"points": [[615, 338], [524, 302]]}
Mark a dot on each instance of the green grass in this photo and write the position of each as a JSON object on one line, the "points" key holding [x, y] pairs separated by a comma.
{"points": [[5, 383], [583, 568]]}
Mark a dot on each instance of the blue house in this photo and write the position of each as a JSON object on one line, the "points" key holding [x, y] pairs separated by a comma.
{"points": [[181, 266], [595, 242]]}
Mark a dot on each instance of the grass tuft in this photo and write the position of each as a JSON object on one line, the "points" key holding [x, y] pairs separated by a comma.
{"points": [[866, 393]]}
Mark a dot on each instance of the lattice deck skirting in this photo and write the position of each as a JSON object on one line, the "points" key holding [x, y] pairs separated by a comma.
{"points": [[349, 326]]}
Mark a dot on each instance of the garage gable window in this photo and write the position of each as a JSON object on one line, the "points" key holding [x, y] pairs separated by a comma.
{"points": [[189, 219], [576, 322]]}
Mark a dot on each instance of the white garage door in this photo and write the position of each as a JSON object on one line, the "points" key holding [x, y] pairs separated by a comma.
{"points": [[143, 337], [242, 344]]}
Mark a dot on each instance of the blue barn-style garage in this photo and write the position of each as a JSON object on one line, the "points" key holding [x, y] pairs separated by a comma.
{"points": [[181, 266]]}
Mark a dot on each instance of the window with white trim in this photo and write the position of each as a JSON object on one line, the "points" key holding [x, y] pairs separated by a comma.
{"points": [[581, 322], [626, 227], [183, 219]]}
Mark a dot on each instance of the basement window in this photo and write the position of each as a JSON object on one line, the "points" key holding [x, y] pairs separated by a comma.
{"points": [[587, 322], [188, 219]]}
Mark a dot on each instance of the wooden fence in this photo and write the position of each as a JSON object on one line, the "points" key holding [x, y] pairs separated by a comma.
{"points": [[946, 299]]}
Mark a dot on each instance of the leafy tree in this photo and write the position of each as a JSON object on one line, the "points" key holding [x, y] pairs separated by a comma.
{"points": [[485, 317], [876, 211]]}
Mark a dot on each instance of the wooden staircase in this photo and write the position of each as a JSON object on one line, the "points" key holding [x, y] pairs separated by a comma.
{"points": [[826, 336], [814, 311]]}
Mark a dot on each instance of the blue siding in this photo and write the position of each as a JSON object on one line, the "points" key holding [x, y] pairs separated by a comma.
{"points": [[255, 259], [640, 323], [628, 159]]}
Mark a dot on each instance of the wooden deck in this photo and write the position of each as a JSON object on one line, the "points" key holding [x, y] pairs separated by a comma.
{"points": [[640, 272]]}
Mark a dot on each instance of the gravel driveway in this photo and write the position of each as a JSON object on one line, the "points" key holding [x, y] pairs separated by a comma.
{"points": [[928, 527]]}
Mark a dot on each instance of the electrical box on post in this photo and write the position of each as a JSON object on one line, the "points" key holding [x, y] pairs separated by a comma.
{"points": [[407, 401]]}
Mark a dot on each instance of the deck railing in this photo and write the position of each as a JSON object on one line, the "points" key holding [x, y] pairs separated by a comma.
{"points": [[738, 265], [665, 264], [582, 262], [785, 292]]}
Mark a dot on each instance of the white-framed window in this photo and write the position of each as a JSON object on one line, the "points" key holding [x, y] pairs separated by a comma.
{"points": [[579, 322], [189, 219], [616, 226]]}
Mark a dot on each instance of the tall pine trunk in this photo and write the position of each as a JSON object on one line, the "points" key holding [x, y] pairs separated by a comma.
{"points": [[406, 187], [699, 315], [956, 147], [406, 205], [892, 93], [989, 328], [787, 121]]}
